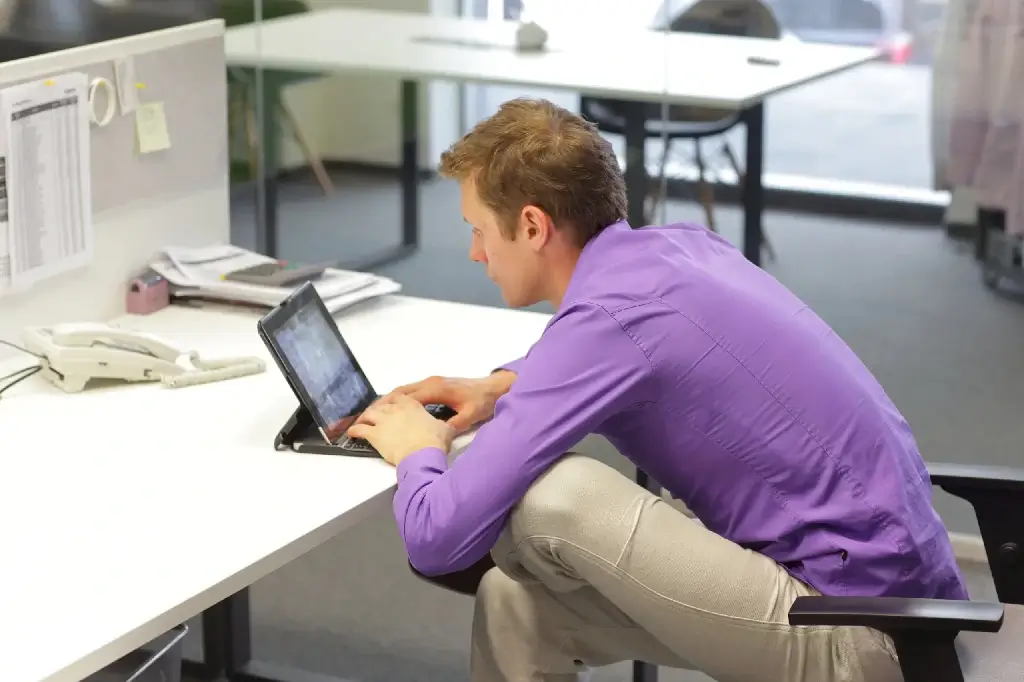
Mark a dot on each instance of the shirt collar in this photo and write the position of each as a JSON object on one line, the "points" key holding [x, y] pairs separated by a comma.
{"points": [[591, 259]]}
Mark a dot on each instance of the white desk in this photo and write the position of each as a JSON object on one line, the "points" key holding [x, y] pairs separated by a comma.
{"points": [[131, 509], [636, 66]]}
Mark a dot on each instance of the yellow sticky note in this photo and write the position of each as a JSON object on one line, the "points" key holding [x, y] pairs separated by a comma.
{"points": [[151, 128]]}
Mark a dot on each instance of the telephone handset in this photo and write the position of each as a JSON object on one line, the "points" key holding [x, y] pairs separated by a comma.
{"points": [[71, 354]]}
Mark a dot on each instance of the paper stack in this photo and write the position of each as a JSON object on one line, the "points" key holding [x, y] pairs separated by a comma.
{"points": [[198, 273]]}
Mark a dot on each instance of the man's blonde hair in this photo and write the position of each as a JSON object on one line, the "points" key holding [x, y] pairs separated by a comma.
{"points": [[532, 152]]}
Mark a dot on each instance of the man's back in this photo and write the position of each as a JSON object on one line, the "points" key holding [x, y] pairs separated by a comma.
{"points": [[762, 420]]}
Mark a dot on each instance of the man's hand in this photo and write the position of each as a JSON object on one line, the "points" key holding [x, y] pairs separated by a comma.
{"points": [[398, 426], [472, 399]]}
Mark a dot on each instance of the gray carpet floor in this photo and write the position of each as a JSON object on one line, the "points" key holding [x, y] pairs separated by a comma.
{"points": [[910, 302]]}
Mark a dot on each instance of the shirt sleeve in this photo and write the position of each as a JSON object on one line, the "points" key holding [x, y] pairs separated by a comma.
{"points": [[584, 369], [512, 366]]}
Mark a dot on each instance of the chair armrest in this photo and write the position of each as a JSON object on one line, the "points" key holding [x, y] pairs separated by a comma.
{"points": [[890, 614], [977, 477], [997, 495]]}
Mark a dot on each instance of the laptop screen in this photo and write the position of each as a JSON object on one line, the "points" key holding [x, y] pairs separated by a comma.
{"points": [[338, 390]]}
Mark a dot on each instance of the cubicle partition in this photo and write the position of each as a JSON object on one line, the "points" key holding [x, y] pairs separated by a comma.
{"points": [[140, 202]]}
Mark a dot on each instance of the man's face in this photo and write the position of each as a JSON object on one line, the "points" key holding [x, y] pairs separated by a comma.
{"points": [[512, 264]]}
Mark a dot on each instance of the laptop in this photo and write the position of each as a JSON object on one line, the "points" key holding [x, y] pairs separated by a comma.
{"points": [[321, 369]]}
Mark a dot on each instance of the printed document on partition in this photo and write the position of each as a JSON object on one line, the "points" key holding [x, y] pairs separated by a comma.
{"points": [[5, 233], [49, 188]]}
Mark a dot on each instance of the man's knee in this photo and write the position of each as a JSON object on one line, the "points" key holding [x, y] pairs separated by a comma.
{"points": [[562, 495]]}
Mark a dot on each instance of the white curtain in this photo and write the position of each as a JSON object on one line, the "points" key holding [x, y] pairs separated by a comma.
{"points": [[944, 69]]}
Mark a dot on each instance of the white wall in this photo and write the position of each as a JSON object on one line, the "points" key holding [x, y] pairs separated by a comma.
{"points": [[356, 117]]}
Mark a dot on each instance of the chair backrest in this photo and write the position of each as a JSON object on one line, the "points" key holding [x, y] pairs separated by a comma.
{"points": [[46, 25], [240, 12], [750, 18], [747, 18]]}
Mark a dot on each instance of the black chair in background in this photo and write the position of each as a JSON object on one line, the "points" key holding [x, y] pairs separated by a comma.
{"points": [[749, 18], [32, 27]]}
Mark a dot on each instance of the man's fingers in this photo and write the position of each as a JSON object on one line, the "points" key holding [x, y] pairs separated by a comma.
{"points": [[423, 396], [402, 400], [358, 430], [427, 395], [373, 413], [429, 385], [410, 388], [428, 391], [460, 422]]}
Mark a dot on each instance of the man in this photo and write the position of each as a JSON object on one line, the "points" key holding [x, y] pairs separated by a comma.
{"points": [[705, 372]]}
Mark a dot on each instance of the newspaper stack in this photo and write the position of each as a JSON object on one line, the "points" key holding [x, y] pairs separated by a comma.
{"points": [[198, 273]]}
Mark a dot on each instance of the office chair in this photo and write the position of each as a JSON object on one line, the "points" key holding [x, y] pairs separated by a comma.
{"points": [[33, 27], [953, 641], [936, 640], [749, 18]]}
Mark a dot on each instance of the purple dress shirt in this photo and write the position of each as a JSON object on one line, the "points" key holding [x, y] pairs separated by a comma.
{"points": [[728, 390]]}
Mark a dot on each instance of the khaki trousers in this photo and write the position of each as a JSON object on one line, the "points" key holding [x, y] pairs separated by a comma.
{"points": [[592, 569]]}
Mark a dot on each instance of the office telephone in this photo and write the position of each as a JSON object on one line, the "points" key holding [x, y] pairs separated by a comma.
{"points": [[74, 353]]}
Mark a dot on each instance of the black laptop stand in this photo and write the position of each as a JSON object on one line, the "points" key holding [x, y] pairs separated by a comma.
{"points": [[301, 434]]}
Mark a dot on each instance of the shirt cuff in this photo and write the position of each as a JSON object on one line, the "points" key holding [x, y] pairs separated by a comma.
{"points": [[426, 459], [510, 366]]}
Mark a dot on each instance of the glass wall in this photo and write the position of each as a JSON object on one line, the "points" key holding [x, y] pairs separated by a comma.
{"points": [[864, 131], [870, 124]]}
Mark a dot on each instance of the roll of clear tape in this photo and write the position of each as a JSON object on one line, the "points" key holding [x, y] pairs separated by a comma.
{"points": [[95, 87]]}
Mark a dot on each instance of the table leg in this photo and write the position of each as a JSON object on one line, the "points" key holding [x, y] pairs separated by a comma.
{"points": [[410, 188], [227, 649], [209, 669], [752, 191], [635, 174], [988, 219], [637, 186], [266, 211]]}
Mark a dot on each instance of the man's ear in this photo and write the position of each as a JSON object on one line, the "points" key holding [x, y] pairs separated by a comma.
{"points": [[536, 225]]}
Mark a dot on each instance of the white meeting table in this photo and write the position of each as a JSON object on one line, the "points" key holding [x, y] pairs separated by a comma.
{"points": [[633, 67], [129, 509]]}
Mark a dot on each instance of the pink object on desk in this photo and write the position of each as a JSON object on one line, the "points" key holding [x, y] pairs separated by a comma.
{"points": [[147, 294]]}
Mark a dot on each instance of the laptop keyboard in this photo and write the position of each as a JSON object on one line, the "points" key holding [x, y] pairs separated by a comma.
{"points": [[442, 412], [356, 445]]}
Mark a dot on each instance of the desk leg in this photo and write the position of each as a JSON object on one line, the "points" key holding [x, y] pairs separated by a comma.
{"points": [[752, 191], [221, 652], [635, 175], [637, 186], [266, 211], [410, 187], [227, 644], [209, 669]]}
